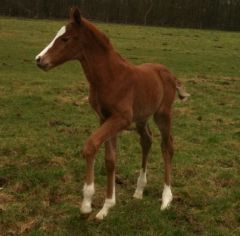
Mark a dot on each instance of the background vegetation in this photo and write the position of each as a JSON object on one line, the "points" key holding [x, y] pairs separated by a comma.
{"points": [[217, 14], [44, 121]]}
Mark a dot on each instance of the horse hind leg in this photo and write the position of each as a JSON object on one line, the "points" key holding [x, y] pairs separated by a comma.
{"points": [[163, 121], [145, 141]]}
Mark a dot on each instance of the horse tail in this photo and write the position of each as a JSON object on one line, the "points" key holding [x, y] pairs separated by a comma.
{"points": [[182, 94]]}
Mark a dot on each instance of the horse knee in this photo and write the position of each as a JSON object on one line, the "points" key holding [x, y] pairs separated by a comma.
{"points": [[89, 149], [145, 136], [146, 141]]}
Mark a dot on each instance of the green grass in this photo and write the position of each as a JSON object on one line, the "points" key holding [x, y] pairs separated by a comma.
{"points": [[44, 122]]}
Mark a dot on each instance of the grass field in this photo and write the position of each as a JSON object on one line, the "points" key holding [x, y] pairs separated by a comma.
{"points": [[44, 121]]}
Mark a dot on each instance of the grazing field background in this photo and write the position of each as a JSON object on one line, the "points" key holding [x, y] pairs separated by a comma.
{"points": [[44, 120]]}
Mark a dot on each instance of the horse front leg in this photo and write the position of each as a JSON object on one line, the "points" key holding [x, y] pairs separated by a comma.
{"points": [[107, 130], [89, 152], [146, 142], [110, 162]]}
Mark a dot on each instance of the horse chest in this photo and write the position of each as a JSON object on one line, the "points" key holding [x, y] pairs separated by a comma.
{"points": [[102, 108]]}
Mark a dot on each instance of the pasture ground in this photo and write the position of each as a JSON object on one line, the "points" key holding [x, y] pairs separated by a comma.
{"points": [[44, 121]]}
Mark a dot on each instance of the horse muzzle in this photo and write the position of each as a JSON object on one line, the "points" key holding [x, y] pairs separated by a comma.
{"points": [[42, 64]]}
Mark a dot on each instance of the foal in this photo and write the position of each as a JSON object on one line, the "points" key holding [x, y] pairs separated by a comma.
{"points": [[120, 93]]}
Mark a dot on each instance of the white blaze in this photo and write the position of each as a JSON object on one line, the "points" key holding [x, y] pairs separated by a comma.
{"points": [[59, 33]]}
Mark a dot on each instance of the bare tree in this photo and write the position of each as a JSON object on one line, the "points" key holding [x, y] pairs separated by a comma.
{"points": [[148, 11], [220, 14]]}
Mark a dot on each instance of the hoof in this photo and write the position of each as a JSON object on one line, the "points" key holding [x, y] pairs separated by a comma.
{"points": [[109, 203], [165, 205], [166, 197], [138, 195], [101, 215], [86, 209]]}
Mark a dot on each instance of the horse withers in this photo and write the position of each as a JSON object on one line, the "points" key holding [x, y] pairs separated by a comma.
{"points": [[121, 93]]}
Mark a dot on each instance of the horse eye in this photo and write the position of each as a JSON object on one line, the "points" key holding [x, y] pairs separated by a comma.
{"points": [[64, 39]]}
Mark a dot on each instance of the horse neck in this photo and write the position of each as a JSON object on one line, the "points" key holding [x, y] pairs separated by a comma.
{"points": [[99, 57]]}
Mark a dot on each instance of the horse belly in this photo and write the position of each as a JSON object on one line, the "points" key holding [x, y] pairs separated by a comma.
{"points": [[147, 98]]}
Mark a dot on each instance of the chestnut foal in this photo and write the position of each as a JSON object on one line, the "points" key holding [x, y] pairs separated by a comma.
{"points": [[120, 93]]}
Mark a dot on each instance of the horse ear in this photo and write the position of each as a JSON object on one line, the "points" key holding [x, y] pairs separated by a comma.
{"points": [[75, 15]]}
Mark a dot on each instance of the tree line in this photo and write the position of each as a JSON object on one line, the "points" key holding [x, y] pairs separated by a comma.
{"points": [[218, 14]]}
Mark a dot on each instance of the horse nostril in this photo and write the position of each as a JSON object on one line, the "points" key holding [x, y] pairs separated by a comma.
{"points": [[42, 63], [38, 59]]}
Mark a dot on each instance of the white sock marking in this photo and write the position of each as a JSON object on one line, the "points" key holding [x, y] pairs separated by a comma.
{"points": [[59, 33], [88, 191], [141, 183], [166, 197], [109, 203]]}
